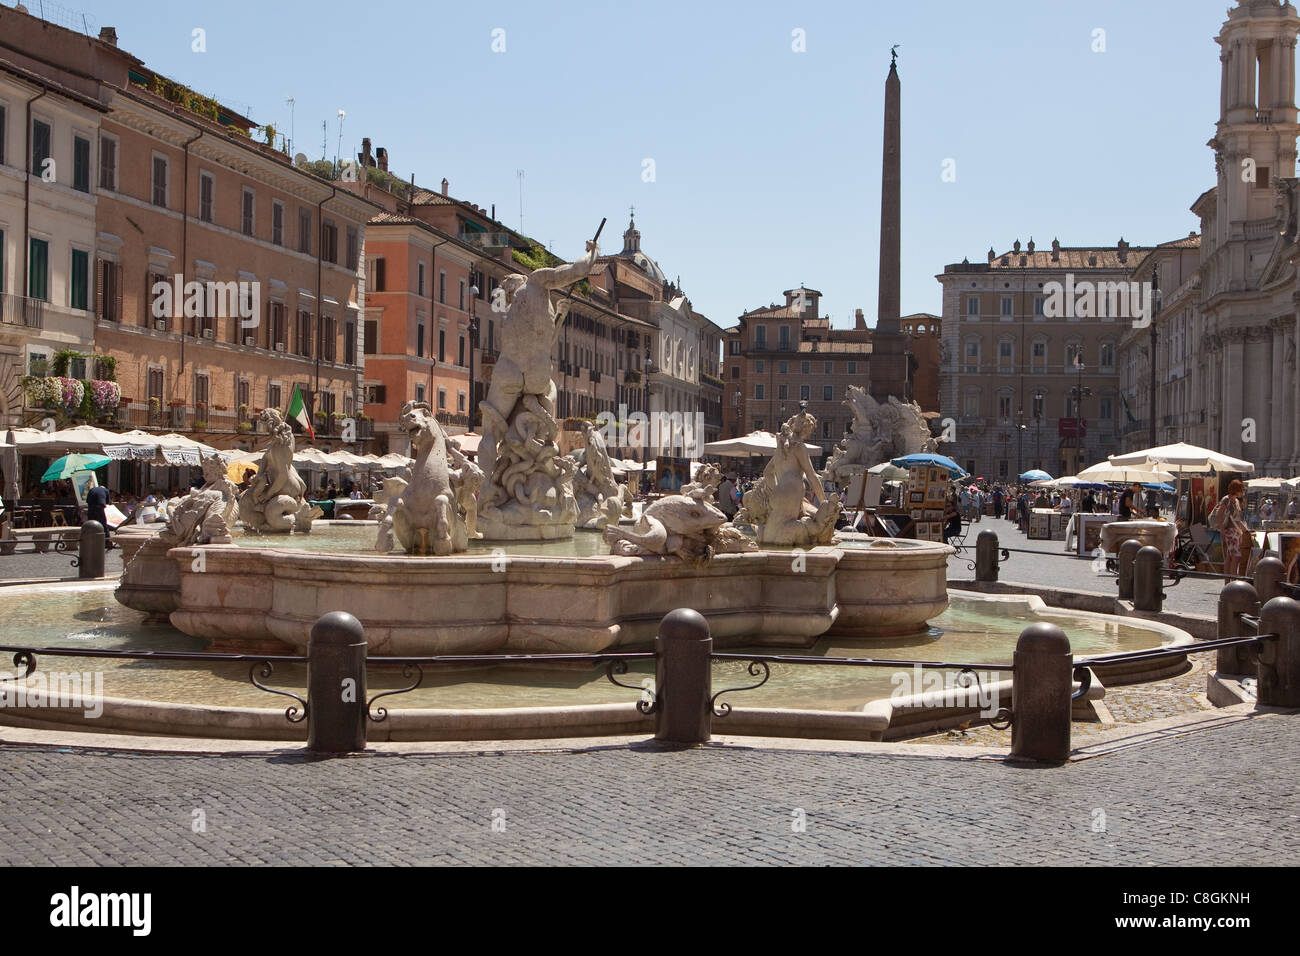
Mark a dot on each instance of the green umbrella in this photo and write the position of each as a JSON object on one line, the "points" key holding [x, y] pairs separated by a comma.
{"points": [[69, 465]]}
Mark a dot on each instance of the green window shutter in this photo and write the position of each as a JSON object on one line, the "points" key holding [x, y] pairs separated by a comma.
{"points": [[80, 270], [39, 270]]}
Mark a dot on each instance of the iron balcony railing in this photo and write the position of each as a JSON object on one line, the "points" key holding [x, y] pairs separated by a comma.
{"points": [[22, 310]]}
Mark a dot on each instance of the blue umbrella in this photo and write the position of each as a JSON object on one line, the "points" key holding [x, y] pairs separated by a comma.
{"points": [[1158, 486], [929, 458], [69, 465], [1036, 474]]}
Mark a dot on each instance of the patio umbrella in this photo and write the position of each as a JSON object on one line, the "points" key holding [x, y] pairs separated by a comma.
{"points": [[754, 445], [1108, 471], [9, 462], [69, 465], [86, 438], [1157, 486], [236, 469], [1035, 474], [929, 458], [1182, 459], [888, 471], [1266, 484], [1073, 481]]}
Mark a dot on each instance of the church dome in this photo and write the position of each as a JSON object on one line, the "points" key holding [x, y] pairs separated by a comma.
{"points": [[632, 250]]}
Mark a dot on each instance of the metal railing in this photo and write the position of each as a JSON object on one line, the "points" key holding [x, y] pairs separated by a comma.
{"points": [[22, 310]]}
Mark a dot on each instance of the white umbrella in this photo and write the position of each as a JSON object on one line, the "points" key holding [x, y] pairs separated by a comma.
{"points": [[1182, 459], [889, 471], [80, 438], [755, 444], [1107, 471], [1266, 484], [467, 442]]}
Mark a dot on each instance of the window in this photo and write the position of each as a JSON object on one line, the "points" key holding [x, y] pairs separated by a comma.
{"points": [[81, 164], [442, 345], [827, 367], [442, 287], [783, 392], [350, 343], [826, 429], [784, 335], [40, 146], [1107, 357], [758, 390], [783, 367], [1072, 356], [462, 298], [759, 365], [803, 368], [419, 340], [329, 242], [1040, 357], [828, 394], [380, 275], [1005, 364], [80, 278], [853, 368], [973, 307], [972, 356], [207, 184], [1004, 469], [1038, 306], [420, 279], [760, 337], [460, 352], [370, 344], [1261, 177], [200, 389], [1105, 409], [971, 405], [246, 220], [273, 396], [735, 347], [1004, 408], [1006, 305], [1039, 398], [304, 333], [460, 401], [442, 399], [304, 231], [107, 160], [735, 371], [159, 197], [277, 222], [38, 270], [328, 343], [147, 319], [155, 385], [805, 392], [352, 250]]}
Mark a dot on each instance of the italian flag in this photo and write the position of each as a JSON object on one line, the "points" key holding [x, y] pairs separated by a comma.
{"points": [[298, 412]]}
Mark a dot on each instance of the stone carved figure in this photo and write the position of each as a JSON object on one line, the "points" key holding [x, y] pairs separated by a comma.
{"points": [[466, 480], [598, 494], [880, 432], [425, 518], [679, 525], [705, 484], [528, 490], [775, 505], [275, 501], [216, 479], [386, 499], [1288, 215]]}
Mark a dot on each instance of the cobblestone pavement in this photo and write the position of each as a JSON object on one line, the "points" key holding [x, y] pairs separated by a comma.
{"points": [[52, 564], [1189, 596], [1221, 796]]}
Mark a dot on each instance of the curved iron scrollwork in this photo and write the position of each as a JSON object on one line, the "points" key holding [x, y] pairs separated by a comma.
{"points": [[1083, 674], [265, 669], [1006, 554], [755, 668], [649, 701], [24, 659], [381, 714], [1002, 719], [966, 677], [970, 565]]}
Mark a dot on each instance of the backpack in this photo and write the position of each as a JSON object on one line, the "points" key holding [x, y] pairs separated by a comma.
{"points": [[1215, 519]]}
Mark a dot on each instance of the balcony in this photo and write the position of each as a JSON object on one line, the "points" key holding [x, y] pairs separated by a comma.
{"points": [[485, 240], [21, 310], [632, 376]]}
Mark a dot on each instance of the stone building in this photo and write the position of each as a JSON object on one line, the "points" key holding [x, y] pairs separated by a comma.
{"points": [[1023, 334], [1225, 337], [925, 337]]}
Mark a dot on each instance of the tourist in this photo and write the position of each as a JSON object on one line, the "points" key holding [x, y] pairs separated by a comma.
{"points": [[728, 500], [1236, 536], [1291, 510], [1266, 510], [1089, 504], [96, 501], [965, 501], [1131, 496], [998, 500], [951, 519], [1066, 505]]}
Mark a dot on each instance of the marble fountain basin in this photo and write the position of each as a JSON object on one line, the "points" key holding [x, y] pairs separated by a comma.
{"points": [[258, 596]]}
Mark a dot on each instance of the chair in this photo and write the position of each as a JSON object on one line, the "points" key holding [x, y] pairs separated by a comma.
{"points": [[958, 540], [1205, 543]]}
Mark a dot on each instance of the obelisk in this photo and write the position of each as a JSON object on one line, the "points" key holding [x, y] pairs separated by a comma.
{"points": [[888, 309], [889, 346]]}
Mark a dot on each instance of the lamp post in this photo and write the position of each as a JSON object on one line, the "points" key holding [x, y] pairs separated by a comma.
{"points": [[1079, 391], [1020, 444], [473, 347]]}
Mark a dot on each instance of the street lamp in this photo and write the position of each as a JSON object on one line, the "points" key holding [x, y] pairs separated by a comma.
{"points": [[1079, 392], [473, 347], [1020, 444]]}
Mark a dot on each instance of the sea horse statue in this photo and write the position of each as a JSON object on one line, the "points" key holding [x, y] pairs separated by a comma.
{"points": [[275, 501]]}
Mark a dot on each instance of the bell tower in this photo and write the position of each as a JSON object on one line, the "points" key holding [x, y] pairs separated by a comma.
{"points": [[1255, 138]]}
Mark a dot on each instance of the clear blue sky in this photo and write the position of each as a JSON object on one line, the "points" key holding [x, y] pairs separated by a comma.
{"points": [[767, 161]]}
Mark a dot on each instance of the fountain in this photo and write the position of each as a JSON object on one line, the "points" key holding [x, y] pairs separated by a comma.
{"points": [[880, 432]]}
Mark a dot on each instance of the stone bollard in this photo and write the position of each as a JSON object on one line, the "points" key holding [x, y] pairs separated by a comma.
{"points": [[1148, 585], [683, 678], [1270, 572], [90, 551], [986, 556], [1041, 688], [1279, 659], [1236, 596], [1127, 555], [336, 685]]}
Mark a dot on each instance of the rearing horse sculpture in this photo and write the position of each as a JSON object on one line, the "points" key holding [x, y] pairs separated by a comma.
{"points": [[425, 517]]}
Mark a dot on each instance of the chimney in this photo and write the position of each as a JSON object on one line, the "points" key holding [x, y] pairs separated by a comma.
{"points": [[444, 185], [381, 156], [859, 322], [1056, 250], [367, 159], [108, 35], [1122, 247]]}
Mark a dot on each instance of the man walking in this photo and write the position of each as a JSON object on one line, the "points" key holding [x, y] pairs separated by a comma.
{"points": [[96, 502]]}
